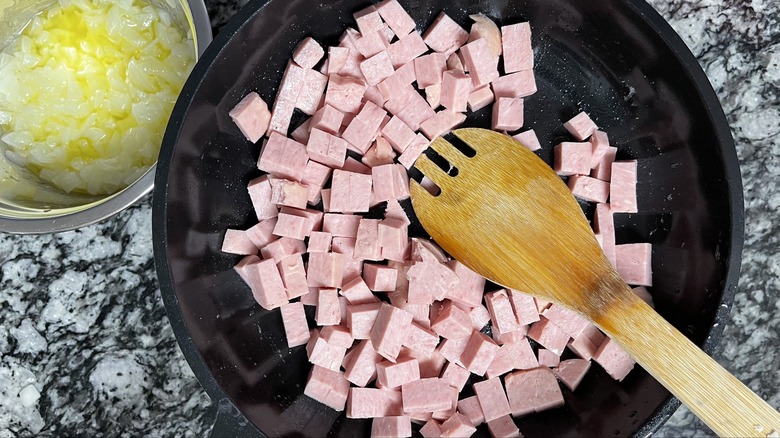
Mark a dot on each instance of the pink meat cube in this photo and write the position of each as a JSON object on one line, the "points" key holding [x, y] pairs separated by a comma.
{"points": [[251, 116], [406, 49], [392, 375], [429, 69], [589, 189], [571, 372], [583, 347], [395, 211], [377, 67], [383, 181], [368, 20], [357, 292], [549, 335], [424, 250], [547, 358], [393, 238], [455, 89], [431, 366], [433, 95], [517, 50], [327, 387], [634, 263], [406, 73], [290, 226], [492, 398], [571, 322], [471, 409], [341, 225], [452, 349], [504, 427], [260, 193], [441, 123], [313, 217], [502, 314], [455, 375], [293, 275], [572, 158], [345, 93], [343, 245], [379, 278], [337, 58], [430, 280], [337, 335], [603, 170], [262, 234], [391, 427], [528, 139], [293, 81], [398, 134], [371, 43], [360, 368], [479, 317], [380, 153], [326, 148], [328, 310], [445, 35], [479, 353], [323, 354], [350, 192], [311, 298], [319, 241], [396, 17], [533, 390], [416, 112], [508, 114], [470, 288], [281, 248], [385, 335], [456, 426], [447, 413], [325, 269], [315, 175], [238, 242], [431, 429], [373, 403], [311, 95], [264, 280], [426, 395], [512, 356], [622, 187], [415, 149], [600, 145], [524, 307], [363, 128], [595, 335], [480, 62], [615, 361], [367, 241], [604, 224], [520, 84], [420, 340], [327, 119], [480, 98], [581, 126], [283, 157], [295, 327], [308, 53]]}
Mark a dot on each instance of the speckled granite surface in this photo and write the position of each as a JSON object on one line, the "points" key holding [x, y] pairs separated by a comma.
{"points": [[86, 349]]}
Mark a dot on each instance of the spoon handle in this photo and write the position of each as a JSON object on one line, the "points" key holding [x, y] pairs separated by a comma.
{"points": [[718, 398]]}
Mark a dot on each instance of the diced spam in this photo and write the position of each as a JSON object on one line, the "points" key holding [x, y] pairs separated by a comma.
{"points": [[622, 187], [520, 84], [296, 329], [492, 398], [373, 403], [528, 139], [479, 353], [445, 35], [385, 336], [455, 375], [441, 123], [533, 390], [549, 335], [420, 340], [260, 194], [293, 275], [264, 280], [398, 426], [361, 318], [308, 53], [360, 367], [480, 62], [581, 126], [456, 426], [313, 91], [517, 50], [572, 323], [455, 89], [502, 314], [508, 114], [325, 270], [470, 407], [367, 240], [589, 189], [426, 395], [603, 170], [328, 307], [327, 387], [293, 81], [392, 375], [283, 157], [415, 149], [547, 358], [634, 263], [350, 192], [323, 354], [571, 372], [429, 69], [380, 278], [572, 158], [238, 242], [396, 17], [251, 116], [615, 361]]}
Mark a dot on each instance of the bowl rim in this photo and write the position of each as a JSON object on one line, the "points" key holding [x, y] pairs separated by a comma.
{"points": [[90, 213], [644, 10]]}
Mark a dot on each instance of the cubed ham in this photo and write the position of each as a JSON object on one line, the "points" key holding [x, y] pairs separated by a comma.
{"points": [[326, 148], [429, 69], [302, 132], [362, 130], [415, 149], [441, 123], [406, 49], [360, 367], [604, 224], [379, 278], [325, 269], [296, 329], [622, 187], [341, 225], [445, 35], [262, 234], [426, 395], [431, 366], [583, 347], [603, 170], [455, 375], [385, 335], [323, 354], [396, 17], [452, 322], [383, 182], [293, 275], [313, 91], [367, 241], [343, 245], [386, 427], [315, 175], [581, 126], [308, 53], [431, 429], [572, 158], [238, 242], [589, 189], [293, 81], [455, 89], [548, 335], [480, 62], [547, 358], [264, 280], [517, 50], [433, 95], [430, 280], [479, 317], [291, 226], [571, 372], [393, 239], [392, 375], [508, 114], [283, 157], [260, 194], [368, 20], [516, 355], [524, 307], [479, 353], [337, 335], [344, 93], [456, 426], [328, 308], [377, 68], [600, 145], [281, 248], [447, 413], [398, 134], [634, 263], [327, 387], [615, 361], [569, 321], [251, 116], [492, 398], [519, 85], [504, 427], [502, 314], [528, 139], [416, 111], [533, 390], [371, 44], [350, 192], [357, 292], [480, 98], [379, 154], [471, 408], [313, 218], [470, 288], [327, 119], [373, 403], [319, 241], [420, 340]]}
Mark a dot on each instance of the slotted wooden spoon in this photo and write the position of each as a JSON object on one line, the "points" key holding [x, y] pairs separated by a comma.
{"points": [[509, 217]]}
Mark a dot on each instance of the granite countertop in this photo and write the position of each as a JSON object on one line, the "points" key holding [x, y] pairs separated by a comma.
{"points": [[86, 348]]}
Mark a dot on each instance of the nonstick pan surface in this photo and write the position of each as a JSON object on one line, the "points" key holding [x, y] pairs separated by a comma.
{"points": [[618, 60]]}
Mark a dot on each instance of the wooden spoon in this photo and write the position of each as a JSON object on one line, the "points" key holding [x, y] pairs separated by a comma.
{"points": [[509, 217]]}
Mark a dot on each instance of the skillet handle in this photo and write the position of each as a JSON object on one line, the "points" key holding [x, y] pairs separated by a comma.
{"points": [[229, 422]]}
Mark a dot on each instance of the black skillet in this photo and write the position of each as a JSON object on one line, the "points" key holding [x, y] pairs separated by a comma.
{"points": [[618, 60]]}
